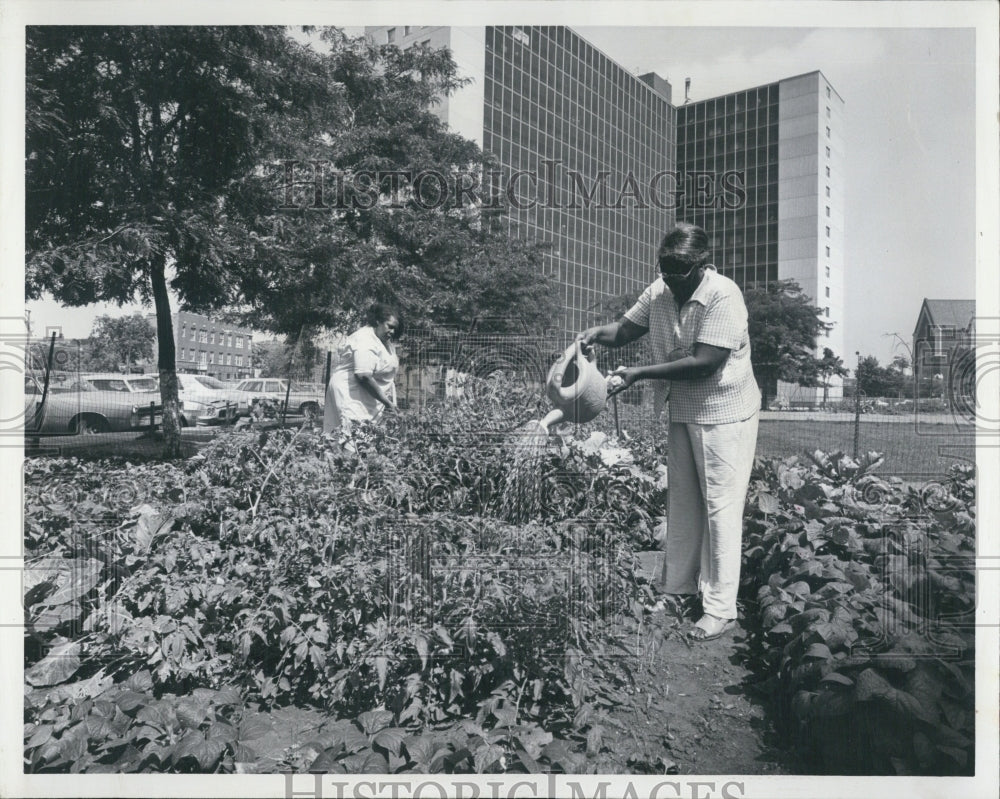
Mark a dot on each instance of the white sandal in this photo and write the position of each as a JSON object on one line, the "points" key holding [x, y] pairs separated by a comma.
{"points": [[710, 627]]}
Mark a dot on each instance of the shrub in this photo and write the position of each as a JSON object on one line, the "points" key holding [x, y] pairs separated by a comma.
{"points": [[862, 591]]}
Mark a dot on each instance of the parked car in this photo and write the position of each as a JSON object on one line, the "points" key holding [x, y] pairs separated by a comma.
{"points": [[77, 407], [205, 399], [127, 384], [303, 398]]}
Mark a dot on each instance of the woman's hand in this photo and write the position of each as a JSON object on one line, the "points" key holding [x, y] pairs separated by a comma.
{"points": [[588, 337], [621, 378]]}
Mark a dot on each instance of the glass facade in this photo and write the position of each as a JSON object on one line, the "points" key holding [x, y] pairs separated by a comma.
{"points": [[734, 133], [595, 137]]}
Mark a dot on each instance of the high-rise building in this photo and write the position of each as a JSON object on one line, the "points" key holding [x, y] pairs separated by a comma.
{"points": [[585, 147], [615, 164], [787, 139]]}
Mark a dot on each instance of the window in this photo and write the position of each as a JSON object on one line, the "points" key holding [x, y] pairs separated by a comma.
{"points": [[828, 112], [211, 337], [828, 231], [239, 360], [828, 171], [827, 252], [828, 91], [828, 131], [406, 32], [827, 191], [827, 310], [827, 291], [239, 339], [183, 331], [109, 385], [828, 210], [203, 337], [390, 35], [827, 152], [828, 271]]}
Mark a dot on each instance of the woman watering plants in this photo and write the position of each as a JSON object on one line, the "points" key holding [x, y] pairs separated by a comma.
{"points": [[697, 323], [362, 386]]}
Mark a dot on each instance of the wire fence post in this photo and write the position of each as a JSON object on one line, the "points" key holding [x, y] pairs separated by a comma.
{"points": [[857, 407]]}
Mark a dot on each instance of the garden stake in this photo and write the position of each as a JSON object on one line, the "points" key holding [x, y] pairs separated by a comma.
{"points": [[614, 404]]}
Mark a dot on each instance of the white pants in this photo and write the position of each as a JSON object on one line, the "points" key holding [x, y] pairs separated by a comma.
{"points": [[708, 471]]}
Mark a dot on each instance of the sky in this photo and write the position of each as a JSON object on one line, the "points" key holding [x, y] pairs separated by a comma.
{"points": [[910, 205]]}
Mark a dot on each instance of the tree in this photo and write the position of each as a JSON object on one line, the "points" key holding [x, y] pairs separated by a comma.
{"points": [[300, 361], [830, 366], [880, 381], [339, 243], [118, 343], [783, 327], [135, 138], [158, 154]]}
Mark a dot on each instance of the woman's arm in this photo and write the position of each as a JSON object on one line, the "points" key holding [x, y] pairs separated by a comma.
{"points": [[615, 334], [369, 384], [705, 361]]}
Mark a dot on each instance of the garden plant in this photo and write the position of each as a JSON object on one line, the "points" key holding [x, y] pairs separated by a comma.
{"points": [[450, 599]]}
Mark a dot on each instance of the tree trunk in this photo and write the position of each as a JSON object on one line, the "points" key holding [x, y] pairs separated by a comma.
{"points": [[166, 362]]}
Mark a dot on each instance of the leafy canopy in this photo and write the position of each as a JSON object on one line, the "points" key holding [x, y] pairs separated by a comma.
{"points": [[783, 326], [345, 221], [134, 139], [121, 342]]}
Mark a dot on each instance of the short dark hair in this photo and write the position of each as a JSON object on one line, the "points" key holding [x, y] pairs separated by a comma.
{"points": [[380, 312], [686, 245]]}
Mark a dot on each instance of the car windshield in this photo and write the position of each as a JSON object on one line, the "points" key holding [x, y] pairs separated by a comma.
{"points": [[209, 382]]}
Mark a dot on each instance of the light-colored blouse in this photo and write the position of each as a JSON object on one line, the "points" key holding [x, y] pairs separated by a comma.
{"points": [[347, 401]]}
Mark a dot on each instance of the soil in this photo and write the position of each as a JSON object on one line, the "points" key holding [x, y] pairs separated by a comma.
{"points": [[694, 710]]}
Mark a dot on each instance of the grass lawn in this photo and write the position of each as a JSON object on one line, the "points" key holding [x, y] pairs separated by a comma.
{"points": [[908, 452]]}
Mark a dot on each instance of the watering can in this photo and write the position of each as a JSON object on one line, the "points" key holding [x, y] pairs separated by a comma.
{"points": [[576, 387]]}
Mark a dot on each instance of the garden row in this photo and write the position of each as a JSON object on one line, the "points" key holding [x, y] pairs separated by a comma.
{"points": [[863, 603]]}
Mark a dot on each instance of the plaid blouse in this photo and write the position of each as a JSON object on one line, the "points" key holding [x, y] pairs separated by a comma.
{"points": [[716, 315]]}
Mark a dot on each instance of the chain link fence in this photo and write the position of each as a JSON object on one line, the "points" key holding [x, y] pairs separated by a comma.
{"points": [[67, 407]]}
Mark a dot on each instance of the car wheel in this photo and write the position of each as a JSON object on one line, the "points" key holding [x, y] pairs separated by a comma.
{"points": [[89, 425]]}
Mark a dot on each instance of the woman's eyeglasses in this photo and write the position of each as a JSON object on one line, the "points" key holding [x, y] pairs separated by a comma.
{"points": [[669, 272]]}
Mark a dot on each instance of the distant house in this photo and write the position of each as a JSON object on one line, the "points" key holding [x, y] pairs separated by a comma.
{"points": [[943, 341]]}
